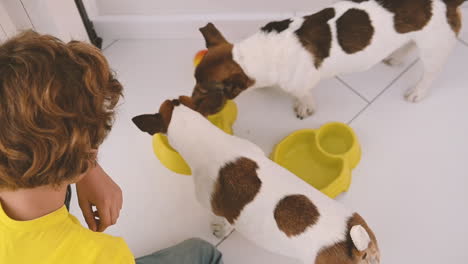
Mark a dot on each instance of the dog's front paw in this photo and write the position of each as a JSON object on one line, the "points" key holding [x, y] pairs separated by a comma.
{"points": [[415, 95], [221, 228], [303, 110]]}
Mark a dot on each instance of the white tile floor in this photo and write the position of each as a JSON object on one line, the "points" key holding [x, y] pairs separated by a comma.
{"points": [[411, 183]]}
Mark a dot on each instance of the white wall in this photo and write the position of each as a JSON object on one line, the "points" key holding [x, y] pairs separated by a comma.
{"points": [[57, 17], [165, 7], [118, 19], [17, 14]]}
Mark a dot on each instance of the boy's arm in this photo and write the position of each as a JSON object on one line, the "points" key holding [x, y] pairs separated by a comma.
{"points": [[98, 189]]}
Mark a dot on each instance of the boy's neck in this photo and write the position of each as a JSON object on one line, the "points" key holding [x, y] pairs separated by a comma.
{"points": [[29, 204]]}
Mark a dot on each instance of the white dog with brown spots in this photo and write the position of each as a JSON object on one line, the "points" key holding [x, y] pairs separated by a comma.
{"points": [[264, 202], [350, 36]]}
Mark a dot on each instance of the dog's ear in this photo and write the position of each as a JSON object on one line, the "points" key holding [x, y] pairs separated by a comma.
{"points": [[360, 238], [235, 84], [211, 104], [151, 124], [156, 123], [212, 36]]}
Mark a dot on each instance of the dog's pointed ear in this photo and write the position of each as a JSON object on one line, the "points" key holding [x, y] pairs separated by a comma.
{"points": [[212, 36], [151, 124]]}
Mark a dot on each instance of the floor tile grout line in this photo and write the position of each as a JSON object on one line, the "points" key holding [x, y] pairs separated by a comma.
{"points": [[224, 238], [384, 90], [352, 89], [359, 113], [4, 32], [27, 14], [463, 42], [396, 79], [108, 46]]}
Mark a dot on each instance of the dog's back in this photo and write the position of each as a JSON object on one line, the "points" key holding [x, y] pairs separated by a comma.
{"points": [[367, 32], [265, 202], [290, 217]]}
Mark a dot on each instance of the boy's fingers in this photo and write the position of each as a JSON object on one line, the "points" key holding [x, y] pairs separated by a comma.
{"points": [[89, 216], [104, 219], [115, 214]]}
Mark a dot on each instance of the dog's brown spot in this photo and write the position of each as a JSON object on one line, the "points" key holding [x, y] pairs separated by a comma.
{"points": [[237, 186], [453, 14], [345, 252], [410, 15], [315, 34], [336, 254], [294, 214], [277, 26], [354, 30]]}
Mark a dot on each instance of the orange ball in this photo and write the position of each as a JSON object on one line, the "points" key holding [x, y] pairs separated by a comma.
{"points": [[199, 57]]}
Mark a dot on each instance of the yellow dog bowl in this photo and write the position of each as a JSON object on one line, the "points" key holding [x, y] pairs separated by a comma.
{"points": [[169, 156], [323, 158]]}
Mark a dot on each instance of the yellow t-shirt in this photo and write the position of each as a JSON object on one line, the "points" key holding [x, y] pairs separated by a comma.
{"points": [[58, 238]]}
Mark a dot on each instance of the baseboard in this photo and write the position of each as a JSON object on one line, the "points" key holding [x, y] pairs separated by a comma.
{"points": [[233, 26]]}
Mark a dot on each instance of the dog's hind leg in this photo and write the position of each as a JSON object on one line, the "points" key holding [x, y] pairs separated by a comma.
{"points": [[398, 57], [220, 226], [433, 57], [304, 105], [304, 102]]}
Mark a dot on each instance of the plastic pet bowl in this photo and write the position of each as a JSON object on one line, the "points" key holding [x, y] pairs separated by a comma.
{"points": [[169, 156], [323, 157]]}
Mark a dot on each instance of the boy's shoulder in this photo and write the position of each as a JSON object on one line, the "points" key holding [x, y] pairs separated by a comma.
{"points": [[58, 238], [106, 248]]}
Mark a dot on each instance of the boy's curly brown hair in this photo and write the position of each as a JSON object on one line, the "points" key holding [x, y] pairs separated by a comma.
{"points": [[56, 107]]}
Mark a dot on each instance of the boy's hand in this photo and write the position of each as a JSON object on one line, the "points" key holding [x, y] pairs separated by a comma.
{"points": [[98, 189]]}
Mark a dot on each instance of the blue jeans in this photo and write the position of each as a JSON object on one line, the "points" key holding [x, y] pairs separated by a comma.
{"points": [[192, 251]]}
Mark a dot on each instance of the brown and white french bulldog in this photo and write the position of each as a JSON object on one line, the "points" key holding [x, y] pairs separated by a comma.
{"points": [[349, 36], [266, 203]]}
